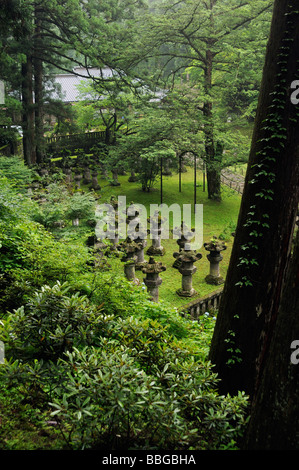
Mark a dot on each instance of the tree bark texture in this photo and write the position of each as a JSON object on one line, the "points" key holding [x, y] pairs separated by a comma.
{"points": [[38, 88], [249, 306], [274, 421], [213, 170], [29, 148]]}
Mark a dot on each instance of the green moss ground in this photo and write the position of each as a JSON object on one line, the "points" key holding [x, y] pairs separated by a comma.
{"points": [[219, 219]]}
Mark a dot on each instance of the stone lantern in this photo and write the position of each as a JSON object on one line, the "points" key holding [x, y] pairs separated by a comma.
{"points": [[134, 212], [141, 239], [152, 280], [68, 175], [129, 258], [114, 225], [141, 242], [94, 180], [132, 178], [187, 258], [78, 177], [184, 241], [156, 249], [86, 174], [214, 247], [43, 172]]}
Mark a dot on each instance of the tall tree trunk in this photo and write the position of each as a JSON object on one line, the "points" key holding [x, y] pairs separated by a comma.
{"points": [[28, 123], [274, 421], [213, 169], [252, 291], [38, 90]]}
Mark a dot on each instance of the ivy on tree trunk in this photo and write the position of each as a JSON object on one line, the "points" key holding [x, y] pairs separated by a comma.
{"points": [[252, 292]]}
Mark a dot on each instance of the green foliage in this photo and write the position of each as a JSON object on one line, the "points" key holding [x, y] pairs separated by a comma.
{"points": [[115, 403], [30, 256], [25, 425], [51, 323], [123, 382], [52, 205], [117, 368], [81, 206], [153, 139], [18, 174]]}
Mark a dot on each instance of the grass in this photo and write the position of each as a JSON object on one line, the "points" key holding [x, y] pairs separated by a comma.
{"points": [[23, 426], [240, 169], [218, 219]]}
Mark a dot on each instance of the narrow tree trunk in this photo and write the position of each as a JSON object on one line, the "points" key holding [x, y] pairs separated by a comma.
{"points": [[28, 113], [252, 292], [38, 90], [213, 169]]}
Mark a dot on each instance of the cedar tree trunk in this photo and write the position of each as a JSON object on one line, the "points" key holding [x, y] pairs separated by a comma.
{"points": [[28, 123], [252, 291], [274, 421]]}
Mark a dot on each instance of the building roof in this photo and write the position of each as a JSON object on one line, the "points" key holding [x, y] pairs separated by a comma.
{"points": [[68, 82]]}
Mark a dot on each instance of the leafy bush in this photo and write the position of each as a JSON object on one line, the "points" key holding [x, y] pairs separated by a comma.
{"points": [[110, 401], [53, 206], [117, 381], [52, 322], [81, 206]]}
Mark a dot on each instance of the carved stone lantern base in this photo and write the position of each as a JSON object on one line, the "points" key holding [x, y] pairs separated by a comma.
{"points": [[187, 293], [177, 264], [214, 280]]}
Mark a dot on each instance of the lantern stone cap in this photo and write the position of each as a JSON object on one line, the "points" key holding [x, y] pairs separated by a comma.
{"points": [[153, 267], [188, 256], [130, 246], [215, 245]]}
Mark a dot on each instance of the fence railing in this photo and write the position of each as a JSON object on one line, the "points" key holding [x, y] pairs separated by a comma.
{"points": [[198, 307], [76, 140], [235, 185], [71, 137]]}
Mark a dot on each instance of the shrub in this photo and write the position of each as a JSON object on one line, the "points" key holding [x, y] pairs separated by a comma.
{"points": [[52, 322], [30, 256], [53, 206], [110, 402], [122, 382], [81, 206]]}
